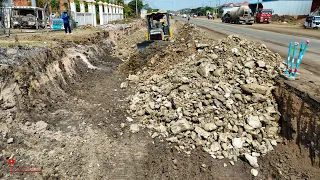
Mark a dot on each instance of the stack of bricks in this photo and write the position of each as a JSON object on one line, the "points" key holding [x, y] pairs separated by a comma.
{"points": [[22, 2]]}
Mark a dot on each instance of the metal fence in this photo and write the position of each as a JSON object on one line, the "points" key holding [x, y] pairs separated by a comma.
{"points": [[84, 18]]}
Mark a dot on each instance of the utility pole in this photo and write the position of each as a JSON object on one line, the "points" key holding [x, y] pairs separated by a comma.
{"points": [[210, 3], [33, 3], [137, 8], [257, 7]]}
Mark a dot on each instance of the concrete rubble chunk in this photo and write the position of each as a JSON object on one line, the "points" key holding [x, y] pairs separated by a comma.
{"points": [[237, 143], [181, 126], [10, 140], [41, 126], [133, 78], [134, 128], [254, 121], [123, 85], [184, 88], [215, 146], [213, 56], [210, 127], [254, 88], [253, 161], [205, 68], [249, 64], [254, 172], [202, 132], [261, 63]]}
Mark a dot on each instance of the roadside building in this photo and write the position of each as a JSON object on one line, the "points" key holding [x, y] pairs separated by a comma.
{"points": [[288, 7], [22, 2], [315, 5], [28, 3], [285, 7]]}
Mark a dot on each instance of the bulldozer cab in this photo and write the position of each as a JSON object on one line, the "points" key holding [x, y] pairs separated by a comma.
{"points": [[158, 24], [158, 28]]}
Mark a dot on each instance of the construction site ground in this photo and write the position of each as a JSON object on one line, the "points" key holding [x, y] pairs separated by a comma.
{"points": [[86, 133]]}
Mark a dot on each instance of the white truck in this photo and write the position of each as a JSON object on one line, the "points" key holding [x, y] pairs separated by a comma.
{"points": [[312, 22], [238, 15]]}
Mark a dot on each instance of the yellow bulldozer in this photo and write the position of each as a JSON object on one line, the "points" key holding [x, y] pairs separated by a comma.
{"points": [[158, 28]]}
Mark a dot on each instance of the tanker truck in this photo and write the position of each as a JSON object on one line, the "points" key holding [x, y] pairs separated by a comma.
{"points": [[239, 15]]}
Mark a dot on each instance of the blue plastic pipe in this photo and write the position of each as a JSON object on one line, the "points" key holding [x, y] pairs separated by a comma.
{"points": [[293, 56], [301, 57], [288, 60], [305, 48], [298, 61]]}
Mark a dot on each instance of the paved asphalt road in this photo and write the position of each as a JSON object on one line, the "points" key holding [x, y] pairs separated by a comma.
{"points": [[277, 42]]}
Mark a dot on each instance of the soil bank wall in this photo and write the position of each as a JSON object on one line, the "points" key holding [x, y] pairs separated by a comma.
{"points": [[300, 122]]}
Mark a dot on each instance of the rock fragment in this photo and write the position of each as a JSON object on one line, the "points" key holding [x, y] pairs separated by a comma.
{"points": [[133, 78], [134, 128], [253, 161], [210, 127], [181, 126], [10, 140], [202, 132], [254, 172], [123, 85]]}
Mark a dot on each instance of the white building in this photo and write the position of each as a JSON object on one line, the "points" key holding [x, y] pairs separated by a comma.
{"points": [[288, 7]]}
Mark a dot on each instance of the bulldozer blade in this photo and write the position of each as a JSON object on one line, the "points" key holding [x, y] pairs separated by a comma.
{"points": [[143, 45]]}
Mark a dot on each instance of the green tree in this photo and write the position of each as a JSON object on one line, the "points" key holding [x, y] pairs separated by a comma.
{"points": [[66, 5], [128, 12], [55, 5], [132, 5], [120, 1], [77, 2], [40, 3]]}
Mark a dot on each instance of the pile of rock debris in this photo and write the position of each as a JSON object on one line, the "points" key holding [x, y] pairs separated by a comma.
{"points": [[221, 101]]}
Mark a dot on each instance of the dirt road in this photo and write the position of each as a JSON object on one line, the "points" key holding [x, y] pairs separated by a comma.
{"points": [[289, 29]]}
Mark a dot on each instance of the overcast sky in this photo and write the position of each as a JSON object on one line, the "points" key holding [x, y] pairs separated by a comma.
{"points": [[180, 4]]}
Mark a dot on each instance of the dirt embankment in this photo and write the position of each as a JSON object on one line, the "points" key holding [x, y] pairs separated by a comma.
{"points": [[34, 91], [61, 109]]}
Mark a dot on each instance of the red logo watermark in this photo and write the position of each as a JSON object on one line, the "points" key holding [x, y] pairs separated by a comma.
{"points": [[22, 169], [11, 161]]}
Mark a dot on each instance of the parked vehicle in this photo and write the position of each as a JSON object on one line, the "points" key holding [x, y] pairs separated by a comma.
{"points": [[224, 12], [24, 17], [184, 16], [262, 15], [209, 16], [312, 22], [239, 15]]}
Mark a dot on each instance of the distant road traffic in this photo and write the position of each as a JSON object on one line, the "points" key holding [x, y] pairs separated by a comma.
{"points": [[277, 42]]}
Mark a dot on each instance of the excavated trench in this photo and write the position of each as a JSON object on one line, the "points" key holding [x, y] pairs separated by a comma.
{"points": [[62, 109], [300, 120]]}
